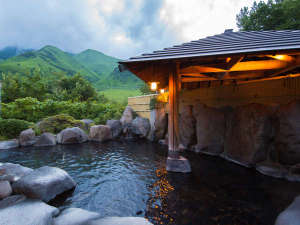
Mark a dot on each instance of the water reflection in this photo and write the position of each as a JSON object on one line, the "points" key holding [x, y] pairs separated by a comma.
{"points": [[128, 179]]}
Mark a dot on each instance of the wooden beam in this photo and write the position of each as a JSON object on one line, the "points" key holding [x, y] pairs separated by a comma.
{"points": [[173, 126], [197, 79], [240, 66], [233, 61], [285, 58], [291, 66]]}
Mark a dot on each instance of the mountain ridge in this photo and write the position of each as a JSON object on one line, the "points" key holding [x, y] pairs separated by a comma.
{"points": [[100, 69]]}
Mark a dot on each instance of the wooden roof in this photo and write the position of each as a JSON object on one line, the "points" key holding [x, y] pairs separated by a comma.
{"points": [[227, 56], [227, 43]]}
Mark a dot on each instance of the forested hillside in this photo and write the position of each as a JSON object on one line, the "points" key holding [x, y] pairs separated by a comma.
{"points": [[98, 68]]}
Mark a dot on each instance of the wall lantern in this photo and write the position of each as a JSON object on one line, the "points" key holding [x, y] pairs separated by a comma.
{"points": [[153, 86]]}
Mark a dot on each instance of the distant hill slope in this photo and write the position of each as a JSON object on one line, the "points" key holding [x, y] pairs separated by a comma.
{"points": [[95, 66], [97, 61], [12, 51]]}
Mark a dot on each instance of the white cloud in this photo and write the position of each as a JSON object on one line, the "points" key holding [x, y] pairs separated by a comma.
{"points": [[120, 28], [194, 19]]}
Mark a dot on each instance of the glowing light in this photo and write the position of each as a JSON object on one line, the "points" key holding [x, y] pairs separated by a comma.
{"points": [[153, 86], [228, 59], [279, 57], [162, 91]]}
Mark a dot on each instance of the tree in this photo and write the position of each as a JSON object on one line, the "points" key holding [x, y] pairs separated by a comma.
{"points": [[271, 15], [145, 90]]}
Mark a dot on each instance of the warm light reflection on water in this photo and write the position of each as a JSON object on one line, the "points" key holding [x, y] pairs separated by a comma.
{"points": [[129, 179]]}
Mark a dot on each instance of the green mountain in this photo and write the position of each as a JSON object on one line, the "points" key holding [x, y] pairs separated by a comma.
{"points": [[95, 66], [97, 61]]}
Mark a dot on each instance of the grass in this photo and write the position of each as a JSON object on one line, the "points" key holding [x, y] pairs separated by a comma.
{"points": [[120, 95]]}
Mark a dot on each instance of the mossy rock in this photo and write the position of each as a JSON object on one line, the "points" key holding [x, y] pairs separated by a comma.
{"points": [[55, 124]]}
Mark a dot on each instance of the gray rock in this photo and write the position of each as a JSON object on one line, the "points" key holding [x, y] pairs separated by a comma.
{"points": [[27, 137], [11, 200], [291, 215], [46, 139], [272, 169], [121, 221], [249, 134], [14, 143], [28, 212], [294, 173], [87, 123], [158, 123], [72, 135], [75, 216], [180, 165], [187, 127], [210, 129], [127, 116], [13, 172], [5, 189], [287, 139], [115, 127], [140, 127], [44, 183], [100, 133]]}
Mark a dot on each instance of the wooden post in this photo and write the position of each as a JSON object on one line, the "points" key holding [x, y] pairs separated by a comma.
{"points": [[173, 126]]}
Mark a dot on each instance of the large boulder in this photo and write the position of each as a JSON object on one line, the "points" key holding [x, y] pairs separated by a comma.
{"points": [[46, 139], [72, 135], [44, 183], [272, 169], [287, 138], [13, 172], [294, 173], [11, 200], [75, 216], [28, 212], [27, 137], [5, 189], [140, 127], [187, 127], [115, 127], [210, 129], [158, 123], [100, 133], [127, 116], [291, 215], [14, 143], [249, 134], [120, 221]]}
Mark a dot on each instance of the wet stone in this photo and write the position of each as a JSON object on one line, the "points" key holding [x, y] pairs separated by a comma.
{"points": [[44, 183]]}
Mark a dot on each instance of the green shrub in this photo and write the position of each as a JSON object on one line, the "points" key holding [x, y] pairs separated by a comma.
{"points": [[11, 128], [30, 109], [55, 124]]}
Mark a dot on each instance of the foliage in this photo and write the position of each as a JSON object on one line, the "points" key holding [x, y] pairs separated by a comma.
{"points": [[145, 90], [11, 128], [271, 15], [55, 124], [57, 87], [32, 110]]}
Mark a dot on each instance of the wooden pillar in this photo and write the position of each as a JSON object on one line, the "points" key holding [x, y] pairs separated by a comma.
{"points": [[175, 162], [173, 126]]}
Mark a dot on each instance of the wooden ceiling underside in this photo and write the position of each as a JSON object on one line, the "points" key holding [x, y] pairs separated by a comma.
{"points": [[235, 68], [239, 68]]}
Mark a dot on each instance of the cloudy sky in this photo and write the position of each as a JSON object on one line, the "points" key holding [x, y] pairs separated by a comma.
{"points": [[121, 28]]}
